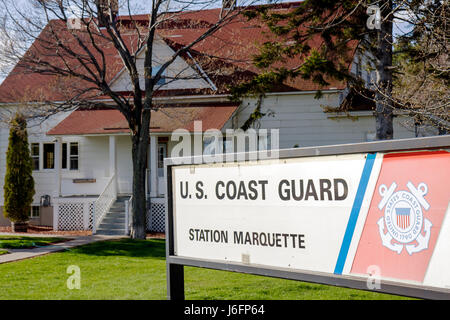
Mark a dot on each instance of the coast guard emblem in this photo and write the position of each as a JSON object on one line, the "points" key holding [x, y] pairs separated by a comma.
{"points": [[403, 218]]}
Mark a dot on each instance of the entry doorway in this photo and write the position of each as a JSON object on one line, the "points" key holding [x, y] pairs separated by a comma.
{"points": [[162, 154]]}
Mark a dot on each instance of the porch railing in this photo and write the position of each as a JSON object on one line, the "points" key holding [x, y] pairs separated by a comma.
{"points": [[104, 202]]}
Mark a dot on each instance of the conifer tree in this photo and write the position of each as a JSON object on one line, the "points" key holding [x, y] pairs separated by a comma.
{"points": [[19, 183], [320, 35]]}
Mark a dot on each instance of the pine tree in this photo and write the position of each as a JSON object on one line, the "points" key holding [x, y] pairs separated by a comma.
{"points": [[19, 183], [320, 35]]}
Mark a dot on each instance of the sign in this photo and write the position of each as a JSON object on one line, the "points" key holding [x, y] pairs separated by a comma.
{"points": [[405, 232], [281, 213], [337, 215]]}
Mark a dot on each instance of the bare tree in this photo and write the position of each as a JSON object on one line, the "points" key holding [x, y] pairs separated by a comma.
{"points": [[11, 49], [422, 77], [409, 53], [80, 59]]}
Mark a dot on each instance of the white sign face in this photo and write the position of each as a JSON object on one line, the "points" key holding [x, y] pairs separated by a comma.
{"points": [[381, 216], [293, 213]]}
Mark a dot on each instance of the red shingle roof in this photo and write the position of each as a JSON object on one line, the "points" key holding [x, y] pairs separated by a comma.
{"points": [[166, 119], [233, 45]]}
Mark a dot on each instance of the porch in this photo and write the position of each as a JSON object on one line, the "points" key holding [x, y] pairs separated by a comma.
{"points": [[83, 197], [102, 164]]}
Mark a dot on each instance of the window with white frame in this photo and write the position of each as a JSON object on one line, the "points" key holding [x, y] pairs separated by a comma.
{"points": [[64, 156], [73, 156], [35, 212], [162, 153], [49, 156], [69, 155], [35, 155]]}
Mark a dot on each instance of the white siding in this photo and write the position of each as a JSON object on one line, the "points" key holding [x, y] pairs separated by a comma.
{"points": [[187, 77], [94, 164], [299, 117], [303, 122], [124, 164], [44, 179], [363, 67]]}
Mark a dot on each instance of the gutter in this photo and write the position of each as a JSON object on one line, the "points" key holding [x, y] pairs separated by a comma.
{"points": [[211, 97]]}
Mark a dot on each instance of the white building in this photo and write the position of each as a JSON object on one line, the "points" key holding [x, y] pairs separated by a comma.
{"points": [[93, 146]]}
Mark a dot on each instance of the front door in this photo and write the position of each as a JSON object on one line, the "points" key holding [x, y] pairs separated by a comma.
{"points": [[162, 154]]}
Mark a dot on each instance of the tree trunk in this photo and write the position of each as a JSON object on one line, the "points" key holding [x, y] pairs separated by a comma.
{"points": [[383, 96], [139, 204]]}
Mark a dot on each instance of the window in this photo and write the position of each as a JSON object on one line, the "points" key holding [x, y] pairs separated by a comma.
{"points": [[64, 156], [74, 156], [69, 155], [35, 211], [162, 153], [49, 156], [162, 80], [35, 155]]}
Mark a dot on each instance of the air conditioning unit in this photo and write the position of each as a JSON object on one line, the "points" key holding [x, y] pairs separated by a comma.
{"points": [[45, 201]]}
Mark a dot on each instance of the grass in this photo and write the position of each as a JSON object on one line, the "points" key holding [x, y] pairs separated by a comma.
{"points": [[24, 242], [3, 252], [133, 269]]}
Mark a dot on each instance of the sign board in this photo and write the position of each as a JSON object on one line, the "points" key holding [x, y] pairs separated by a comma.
{"points": [[343, 216]]}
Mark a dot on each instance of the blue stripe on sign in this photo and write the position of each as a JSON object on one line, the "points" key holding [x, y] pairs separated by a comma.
{"points": [[367, 170]]}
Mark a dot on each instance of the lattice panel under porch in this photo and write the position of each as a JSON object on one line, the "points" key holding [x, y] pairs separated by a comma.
{"points": [[70, 216], [156, 220]]}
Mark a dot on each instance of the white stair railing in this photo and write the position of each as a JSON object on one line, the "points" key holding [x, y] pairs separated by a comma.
{"points": [[104, 202]]}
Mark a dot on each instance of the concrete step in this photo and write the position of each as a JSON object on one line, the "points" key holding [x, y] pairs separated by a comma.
{"points": [[118, 205], [115, 215], [113, 219], [111, 226], [116, 212], [111, 232], [122, 199]]}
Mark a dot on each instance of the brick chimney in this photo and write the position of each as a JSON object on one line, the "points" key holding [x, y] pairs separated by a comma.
{"points": [[103, 7]]}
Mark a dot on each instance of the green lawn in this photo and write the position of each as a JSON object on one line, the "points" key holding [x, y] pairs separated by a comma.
{"points": [[130, 269], [24, 242], [3, 252]]}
